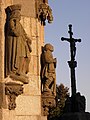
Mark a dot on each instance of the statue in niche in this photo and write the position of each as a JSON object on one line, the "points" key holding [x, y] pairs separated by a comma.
{"points": [[48, 75], [17, 45]]}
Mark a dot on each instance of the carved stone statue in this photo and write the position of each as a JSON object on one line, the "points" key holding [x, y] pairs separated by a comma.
{"points": [[17, 45], [48, 75]]}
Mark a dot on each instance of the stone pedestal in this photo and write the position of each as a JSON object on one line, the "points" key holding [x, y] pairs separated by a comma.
{"points": [[48, 101], [76, 116]]}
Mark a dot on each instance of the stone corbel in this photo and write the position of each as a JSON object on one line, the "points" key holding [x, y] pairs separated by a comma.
{"points": [[45, 13], [47, 103], [12, 90]]}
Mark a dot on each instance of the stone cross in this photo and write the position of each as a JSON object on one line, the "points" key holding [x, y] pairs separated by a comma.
{"points": [[72, 63]]}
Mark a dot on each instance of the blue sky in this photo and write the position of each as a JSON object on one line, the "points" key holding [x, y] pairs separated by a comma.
{"points": [[77, 13]]}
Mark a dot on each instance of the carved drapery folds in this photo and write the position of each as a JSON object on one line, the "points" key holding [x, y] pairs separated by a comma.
{"points": [[48, 74], [48, 78], [17, 46], [12, 90], [17, 55], [45, 13]]}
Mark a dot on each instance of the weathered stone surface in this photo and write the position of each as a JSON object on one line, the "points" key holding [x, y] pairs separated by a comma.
{"points": [[26, 25], [43, 117], [28, 105], [9, 115], [34, 25], [34, 47], [7, 2], [33, 88], [28, 7], [2, 20], [29, 118]]}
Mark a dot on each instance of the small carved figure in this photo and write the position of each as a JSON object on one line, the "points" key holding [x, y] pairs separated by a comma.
{"points": [[48, 71], [17, 43]]}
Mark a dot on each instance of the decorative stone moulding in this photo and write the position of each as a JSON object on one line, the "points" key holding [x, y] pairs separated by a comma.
{"points": [[45, 13], [12, 90]]}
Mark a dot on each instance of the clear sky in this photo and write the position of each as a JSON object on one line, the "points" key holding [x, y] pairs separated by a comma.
{"points": [[77, 13]]}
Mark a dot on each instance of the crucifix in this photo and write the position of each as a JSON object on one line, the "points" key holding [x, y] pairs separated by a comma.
{"points": [[72, 63]]}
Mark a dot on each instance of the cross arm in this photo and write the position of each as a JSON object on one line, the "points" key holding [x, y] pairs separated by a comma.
{"points": [[66, 39], [77, 40]]}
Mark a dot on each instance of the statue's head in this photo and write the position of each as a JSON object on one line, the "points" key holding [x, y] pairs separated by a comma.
{"points": [[13, 11], [48, 46]]}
